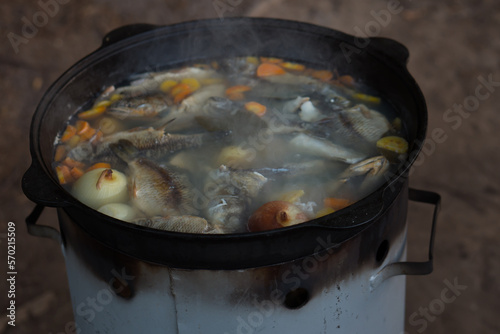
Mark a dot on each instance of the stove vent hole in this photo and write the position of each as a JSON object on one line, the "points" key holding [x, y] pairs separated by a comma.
{"points": [[382, 251], [296, 298]]}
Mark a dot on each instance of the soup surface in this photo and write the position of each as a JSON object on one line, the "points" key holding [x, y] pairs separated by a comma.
{"points": [[235, 145]]}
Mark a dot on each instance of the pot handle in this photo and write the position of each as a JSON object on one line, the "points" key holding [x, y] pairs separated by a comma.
{"points": [[41, 230], [412, 268], [124, 32]]}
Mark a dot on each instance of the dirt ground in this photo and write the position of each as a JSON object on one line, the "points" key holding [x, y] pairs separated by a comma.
{"points": [[454, 48]]}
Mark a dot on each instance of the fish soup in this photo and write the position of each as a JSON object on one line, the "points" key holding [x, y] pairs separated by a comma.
{"points": [[235, 145]]}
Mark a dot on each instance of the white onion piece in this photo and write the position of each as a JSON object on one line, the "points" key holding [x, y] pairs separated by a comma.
{"points": [[119, 211], [100, 186]]}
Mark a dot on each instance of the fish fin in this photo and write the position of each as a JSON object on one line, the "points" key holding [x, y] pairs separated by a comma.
{"points": [[124, 149], [164, 126]]}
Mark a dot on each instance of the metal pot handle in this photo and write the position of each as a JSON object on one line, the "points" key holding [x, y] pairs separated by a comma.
{"points": [[412, 268], [124, 32], [41, 230]]}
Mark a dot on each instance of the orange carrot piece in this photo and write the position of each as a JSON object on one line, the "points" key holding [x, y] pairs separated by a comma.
{"points": [[72, 163], [180, 92], [179, 88], [268, 69], [99, 165], [337, 203], [347, 80], [92, 113], [271, 60], [88, 134], [323, 75], [256, 108], [293, 66], [193, 83], [237, 89], [64, 174], [76, 173], [69, 132], [181, 96], [82, 127], [60, 153], [236, 92], [98, 135]]}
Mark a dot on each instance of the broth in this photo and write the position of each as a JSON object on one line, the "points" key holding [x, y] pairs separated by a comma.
{"points": [[236, 145]]}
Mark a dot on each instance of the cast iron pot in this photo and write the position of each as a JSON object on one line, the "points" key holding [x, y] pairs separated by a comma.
{"points": [[377, 62]]}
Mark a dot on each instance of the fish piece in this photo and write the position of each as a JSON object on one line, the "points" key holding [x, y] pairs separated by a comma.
{"points": [[326, 149], [371, 170], [161, 147], [292, 169], [197, 100], [285, 91], [230, 193], [141, 107], [357, 128], [368, 123], [184, 224], [151, 143], [153, 189], [292, 106], [309, 113], [221, 114], [150, 82], [291, 79]]}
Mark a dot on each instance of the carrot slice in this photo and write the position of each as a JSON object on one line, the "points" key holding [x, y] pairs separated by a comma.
{"points": [[237, 89], [192, 83], [76, 173], [72, 163], [98, 135], [181, 96], [64, 174], [323, 75], [293, 66], [337, 203], [268, 69], [88, 135], [167, 85], [256, 108], [99, 165], [347, 80], [74, 141], [367, 98], [181, 87], [82, 127], [69, 132], [324, 212], [60, 153], [92, 113], [236, 92], [271, 60]]}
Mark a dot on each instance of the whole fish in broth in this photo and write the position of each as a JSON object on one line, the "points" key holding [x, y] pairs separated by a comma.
{"points": [[141, 107], [184, 224], [153, 189]]}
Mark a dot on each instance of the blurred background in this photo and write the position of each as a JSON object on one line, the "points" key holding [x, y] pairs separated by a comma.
{"points": [[454, 48]]}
